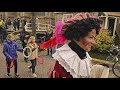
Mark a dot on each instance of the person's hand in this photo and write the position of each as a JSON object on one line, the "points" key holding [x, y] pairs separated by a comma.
{"points": [[33, 49], [25, 41], [10, 58], [37, 46], [36, 56]]}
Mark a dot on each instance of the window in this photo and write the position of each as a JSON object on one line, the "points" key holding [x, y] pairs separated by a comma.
{"points": [[40, 13], [66, 16]]}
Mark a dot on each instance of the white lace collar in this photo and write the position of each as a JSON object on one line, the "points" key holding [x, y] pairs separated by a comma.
{"points": [[72, 63]]}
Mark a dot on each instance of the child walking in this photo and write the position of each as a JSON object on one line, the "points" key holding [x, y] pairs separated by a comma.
{"points": [[24, 36], [10, 48], [34, 54]]}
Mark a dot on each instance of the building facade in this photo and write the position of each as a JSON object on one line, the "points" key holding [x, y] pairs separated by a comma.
{"points": [[111, 20]]}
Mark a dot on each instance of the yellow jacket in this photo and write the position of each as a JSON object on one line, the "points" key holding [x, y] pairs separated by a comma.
{"points": [[1, 23]]}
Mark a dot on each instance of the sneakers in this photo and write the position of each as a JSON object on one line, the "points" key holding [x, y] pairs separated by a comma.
{"points": [[34, 75], [29, 69], [16, 75], [9, 75]]}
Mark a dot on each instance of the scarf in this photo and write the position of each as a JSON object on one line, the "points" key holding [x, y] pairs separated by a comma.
{"points": [[76, 48]]}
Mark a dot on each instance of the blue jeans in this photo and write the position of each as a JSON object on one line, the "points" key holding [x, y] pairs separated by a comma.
{"points": [[33, 62]]}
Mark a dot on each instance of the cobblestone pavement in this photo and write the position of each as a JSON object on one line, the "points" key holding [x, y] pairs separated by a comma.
{"points": [[41, 69]]}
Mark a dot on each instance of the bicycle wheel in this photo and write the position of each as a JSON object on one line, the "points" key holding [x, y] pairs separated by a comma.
{"points": [[116, 68]]}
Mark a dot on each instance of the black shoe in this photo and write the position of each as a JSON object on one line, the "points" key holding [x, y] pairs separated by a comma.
{"points": [[16, 75]]}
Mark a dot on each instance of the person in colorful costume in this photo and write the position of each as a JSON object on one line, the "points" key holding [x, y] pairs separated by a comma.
{"points": [[72, 59]]}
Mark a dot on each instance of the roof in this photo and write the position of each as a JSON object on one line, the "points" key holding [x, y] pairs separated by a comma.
{"points": [[113, 13]]}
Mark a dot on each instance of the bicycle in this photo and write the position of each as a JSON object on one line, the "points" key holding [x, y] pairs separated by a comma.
{"points": [[114, 60], [116, 68], [114, 52]]}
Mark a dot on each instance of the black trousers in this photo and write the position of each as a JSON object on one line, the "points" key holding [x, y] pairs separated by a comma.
{"points": [[26, 53], [18, 27], [9, 64], [14, 28], [33, 64], [49, 51]]}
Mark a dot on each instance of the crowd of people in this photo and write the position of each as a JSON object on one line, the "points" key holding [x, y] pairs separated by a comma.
{"points": [[69, 45], [7, 24]]}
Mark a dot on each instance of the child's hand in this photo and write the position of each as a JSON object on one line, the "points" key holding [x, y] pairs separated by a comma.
{"points": [[10, 58], [33, 49], [37, 46], [36, 56]]}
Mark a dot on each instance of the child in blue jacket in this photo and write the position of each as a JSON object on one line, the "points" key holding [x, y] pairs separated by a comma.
{"points": [[9, 50]]}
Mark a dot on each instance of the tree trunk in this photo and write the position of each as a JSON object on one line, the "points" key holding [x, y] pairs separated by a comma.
{"points": [[33, 23]]}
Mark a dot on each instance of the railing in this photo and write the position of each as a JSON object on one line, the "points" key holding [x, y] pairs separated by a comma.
{"points": [[39, 27]]}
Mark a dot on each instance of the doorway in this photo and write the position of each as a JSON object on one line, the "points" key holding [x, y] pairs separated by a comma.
{"points": [[111, 22]]}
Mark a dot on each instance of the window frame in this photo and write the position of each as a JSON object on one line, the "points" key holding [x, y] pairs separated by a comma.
{"points": [[66, 16]]}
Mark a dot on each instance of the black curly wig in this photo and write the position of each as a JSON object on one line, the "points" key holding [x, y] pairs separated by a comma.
{"points": [[81, 28]]}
